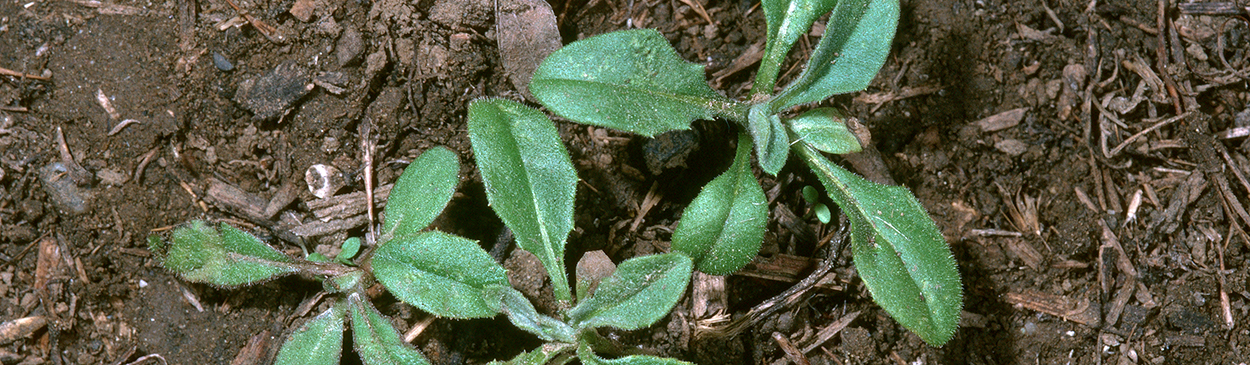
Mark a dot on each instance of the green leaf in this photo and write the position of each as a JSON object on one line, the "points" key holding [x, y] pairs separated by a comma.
{"points": [[640, 292], [551, 353], [439, 273], [227, 258], [588, 357], [721, 230], [317, 342], [787, 21], [825, 129], [810, 195], [822, 213], [629, 80], [348, 281], [376, 340], [850, 53], [898, 250], [523, 315], [349, 249], [422, 192], [530, 182], [772, 145]]}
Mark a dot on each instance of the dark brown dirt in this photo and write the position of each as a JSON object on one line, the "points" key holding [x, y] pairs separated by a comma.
{"points": [[1045, 281]]}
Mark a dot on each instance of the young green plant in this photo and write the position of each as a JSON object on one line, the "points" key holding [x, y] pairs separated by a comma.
{"points": [[530, 184], [634, 81]]}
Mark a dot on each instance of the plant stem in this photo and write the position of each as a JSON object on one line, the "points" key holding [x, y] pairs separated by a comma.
{"points": [[770, 67]]}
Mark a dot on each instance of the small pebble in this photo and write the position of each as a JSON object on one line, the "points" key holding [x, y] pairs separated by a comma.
{"points": [[58, 182], [222, 62]]}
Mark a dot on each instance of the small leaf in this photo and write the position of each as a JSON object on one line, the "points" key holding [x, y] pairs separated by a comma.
{"points": [[629, 80], [772, 145], [721, 230], [640, 292], [317, 342], [787, 21], [810, 195], [350, 247], [822, 213], [376, 340], [422, 192], [551, 353], [530, 181], [227, 258], [523, 315], [852, 50], [439, 273], [898, 250], [588, 357], [825, 129]]}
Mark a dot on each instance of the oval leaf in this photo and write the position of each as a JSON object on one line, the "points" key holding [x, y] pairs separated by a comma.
{"points": [[772, 145], [640, 292], [439, 273], [852, 50], [628, 80], [530, 182], [825, 129], [317, 342], [721, 230], [376, 340], [422, 192], [225, 258], [898, 250]]}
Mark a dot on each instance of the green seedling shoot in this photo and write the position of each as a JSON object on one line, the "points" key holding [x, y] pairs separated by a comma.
{"points": [[530, 184], [631, 81], [634, 81]]}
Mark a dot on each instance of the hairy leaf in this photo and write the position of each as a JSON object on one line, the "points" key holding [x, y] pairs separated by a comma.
{"points": [[640, 292], [629, 80], [227, 258], [317, 342], [850, 53], [588, 357], [529, 179], [439, 273], [787, 21], [422, 192], [898, 250], [551, 353], [772, 144], [376, 340], [523, 315], [825, 129], [721, 230]]}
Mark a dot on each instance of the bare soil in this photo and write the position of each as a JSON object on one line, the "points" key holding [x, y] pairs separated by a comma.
{"points": [[1090, 225]]}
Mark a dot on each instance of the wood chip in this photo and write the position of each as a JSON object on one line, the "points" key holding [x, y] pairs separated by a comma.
{"points": [[708, 296], [1002, 121], [1025, 252], [255, 351], [347, 205], [231, 198], [20, 328], [1075, 310]]}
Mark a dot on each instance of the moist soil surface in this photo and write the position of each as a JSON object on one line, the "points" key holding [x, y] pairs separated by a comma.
{"points": [[1086, 162]]}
